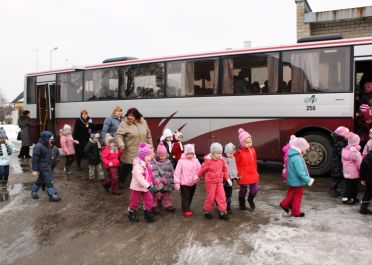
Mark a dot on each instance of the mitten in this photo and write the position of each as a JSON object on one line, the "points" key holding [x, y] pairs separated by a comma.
{"points": [[229, 182], [156, 181], [176, 186], [196, 178], [164, 180], [310, 182]]}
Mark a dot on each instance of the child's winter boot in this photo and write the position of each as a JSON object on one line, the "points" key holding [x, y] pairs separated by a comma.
{"points": [[67, 171], [208, 215], [251, 202], [242, 204], [132, 216], [34, 191], [364, 208], [53, 196], [149, 216], [229, 211], [333, 192], [223, 216], [4, 194]]}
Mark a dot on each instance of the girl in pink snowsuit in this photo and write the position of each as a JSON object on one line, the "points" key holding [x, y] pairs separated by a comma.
{"points": [[215, 170], [67, 146], [351, 160]]}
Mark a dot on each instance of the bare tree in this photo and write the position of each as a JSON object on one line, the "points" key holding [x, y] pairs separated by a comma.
{"points": [[5, 108]]}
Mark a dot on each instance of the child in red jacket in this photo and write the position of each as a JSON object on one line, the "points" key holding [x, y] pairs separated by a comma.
{"points": [[214, 169], [110, 159], [246, 164], [177, 148]]}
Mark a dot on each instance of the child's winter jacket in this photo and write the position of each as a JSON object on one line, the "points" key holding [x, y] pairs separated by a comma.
{"points": [[214, 170], [92, 152], [141, 176], [339, 143], [67, 143], [162, 175], [366, 169], [6, 153], [231, 166], [111, 156], [367, 148], [298, 174], [246, 163], [351, 160], [177, 150], [41, 156], [186, 171]]}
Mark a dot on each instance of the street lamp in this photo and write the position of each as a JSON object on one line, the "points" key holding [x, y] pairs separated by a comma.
{"points": [[50, 55]]}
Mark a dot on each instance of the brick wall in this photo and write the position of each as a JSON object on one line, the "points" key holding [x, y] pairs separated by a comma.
{"points": [[303, 29]]}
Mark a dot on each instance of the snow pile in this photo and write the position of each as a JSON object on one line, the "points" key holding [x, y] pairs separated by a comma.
{"points": [[11, 131]]}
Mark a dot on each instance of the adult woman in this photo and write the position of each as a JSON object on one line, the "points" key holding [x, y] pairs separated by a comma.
{"points": [[82, 130], [132, 130], [112, 122], [25, 124]]}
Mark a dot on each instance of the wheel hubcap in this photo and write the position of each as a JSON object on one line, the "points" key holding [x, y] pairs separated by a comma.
{"points": [[316, 155]]}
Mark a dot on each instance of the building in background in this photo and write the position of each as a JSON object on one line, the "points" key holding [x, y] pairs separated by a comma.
{"points": [[17, 105], [349, 23]]}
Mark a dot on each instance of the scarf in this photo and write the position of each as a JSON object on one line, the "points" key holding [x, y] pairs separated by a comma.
{"points": [[8, 149]]}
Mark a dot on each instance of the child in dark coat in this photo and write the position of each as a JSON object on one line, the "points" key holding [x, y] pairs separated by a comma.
{"points": [[366, 179], [339, 142], [92, 153]]}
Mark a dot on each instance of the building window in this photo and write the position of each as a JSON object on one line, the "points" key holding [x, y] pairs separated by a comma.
{"points": [[192, 78], [317, 70], [69, 87], [31, 90], [250, 74], [101, 84], [143, 81]]}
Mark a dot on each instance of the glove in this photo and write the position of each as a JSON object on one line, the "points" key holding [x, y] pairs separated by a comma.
{"points": [[151, 189], [177, 186], [310, 182], [229, 182], [196, 178], [34, 173], [363, 182]]}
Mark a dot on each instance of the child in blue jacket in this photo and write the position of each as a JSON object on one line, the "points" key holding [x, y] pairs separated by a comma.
{"points": [[297, 176]]}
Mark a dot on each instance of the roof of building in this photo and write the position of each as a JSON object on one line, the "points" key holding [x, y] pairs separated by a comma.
{"points": [[18, 98]]}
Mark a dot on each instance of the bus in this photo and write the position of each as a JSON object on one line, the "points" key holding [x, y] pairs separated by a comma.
{"points": [[307, 89]]}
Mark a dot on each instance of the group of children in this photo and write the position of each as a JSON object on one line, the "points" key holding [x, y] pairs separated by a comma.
{"points": [[153, 179]]}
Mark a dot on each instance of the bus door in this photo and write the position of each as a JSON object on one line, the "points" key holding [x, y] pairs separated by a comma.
{"points": [[46, 95]]}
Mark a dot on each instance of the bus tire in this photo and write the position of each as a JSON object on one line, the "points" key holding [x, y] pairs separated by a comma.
{"points": [[319, 156]]}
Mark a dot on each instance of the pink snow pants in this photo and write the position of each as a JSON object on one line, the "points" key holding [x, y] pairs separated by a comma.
{"points": [[214, 193], [135, 198]]}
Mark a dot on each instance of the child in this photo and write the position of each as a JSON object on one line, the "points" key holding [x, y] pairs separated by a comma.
{"points": [[67, 146], [163, 171], [364, 120], [185, 177], [339, 142], [110, 159], [368, 146], [55, 160], [297, 176], [351, 160], [41, 164], [214, 169], [6, 150], [366, 179], [246, 163], [177, 148], [233, 173], [167, 139], [141, 184], [92, 153]]}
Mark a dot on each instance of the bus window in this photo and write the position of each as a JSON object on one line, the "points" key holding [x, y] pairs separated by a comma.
{"points": [[143, 81], [317, 70], [69, 87], [101, 84], [192, 78], [31, 90], [250, 74]]}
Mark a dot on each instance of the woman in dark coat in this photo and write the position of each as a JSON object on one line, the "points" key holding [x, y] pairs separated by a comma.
{"points": [[82, 130], [25, 124]]}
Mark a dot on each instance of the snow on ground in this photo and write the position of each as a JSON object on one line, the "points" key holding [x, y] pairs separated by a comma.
{"points": [[11, 131]]}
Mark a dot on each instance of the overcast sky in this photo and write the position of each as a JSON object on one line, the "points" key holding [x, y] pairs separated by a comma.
{"points": [[89, 31]]}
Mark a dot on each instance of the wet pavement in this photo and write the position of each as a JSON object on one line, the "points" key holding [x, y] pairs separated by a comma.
{"points": [[90, 226]]}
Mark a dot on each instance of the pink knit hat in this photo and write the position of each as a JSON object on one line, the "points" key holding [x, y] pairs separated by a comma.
{"points": [[161, 149], [300, 143], [292, 139], [177, 135], [364, 107], [189, 148], [243, 135], [342, 131], [353, 139], [144, 150]]}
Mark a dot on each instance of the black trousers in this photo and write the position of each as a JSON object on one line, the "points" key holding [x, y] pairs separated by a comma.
{"points": [[187, 193], [68, 160], [4, 174], [24, 152], [368, 193], [228, 191], [351, 190], [124, 171]]}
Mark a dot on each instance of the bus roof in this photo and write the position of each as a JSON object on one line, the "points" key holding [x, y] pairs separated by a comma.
{"points": [[317, 44]]}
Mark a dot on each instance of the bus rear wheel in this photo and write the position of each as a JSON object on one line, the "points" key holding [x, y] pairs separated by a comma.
{"points": [[319, 156]]}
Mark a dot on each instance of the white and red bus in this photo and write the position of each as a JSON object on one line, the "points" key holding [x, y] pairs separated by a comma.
{"points": [[307, 89]]}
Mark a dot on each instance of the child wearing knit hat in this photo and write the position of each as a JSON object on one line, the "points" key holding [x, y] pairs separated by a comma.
{"points": [[185, 177], [230, 151], [162, 170], [368, 147], [297, 176], [141, 185], [167, 139], [6, 150], [177, 148], [351, 160], [364, 123], [339, 142], [214, 169], [67, 147], [92, 152], [246, 164]]}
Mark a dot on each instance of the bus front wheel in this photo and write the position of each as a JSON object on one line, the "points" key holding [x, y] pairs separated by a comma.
{"points": [[319, 156]]}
